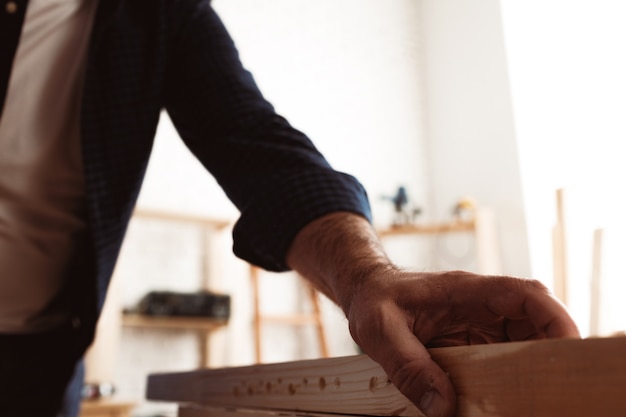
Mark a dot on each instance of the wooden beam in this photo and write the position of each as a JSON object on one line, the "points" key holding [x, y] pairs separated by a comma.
{"points": [[313, 317], [256, 310], [559, 249], [596, 283], [574, 378], [557, 377], [204, 411], [487, 243], [320, 385]]}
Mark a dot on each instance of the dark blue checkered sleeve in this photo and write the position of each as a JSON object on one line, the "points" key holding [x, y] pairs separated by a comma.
{"points": [[271, 171]]}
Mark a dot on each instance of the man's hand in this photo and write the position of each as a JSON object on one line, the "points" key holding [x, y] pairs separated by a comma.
{"points": [[394, 315], [397, 314]]}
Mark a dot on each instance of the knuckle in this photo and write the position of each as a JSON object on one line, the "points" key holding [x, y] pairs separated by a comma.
{"points": [[370, 324]]}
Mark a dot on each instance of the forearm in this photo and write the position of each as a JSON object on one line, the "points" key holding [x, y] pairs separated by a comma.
{"points": [[338, 253]]}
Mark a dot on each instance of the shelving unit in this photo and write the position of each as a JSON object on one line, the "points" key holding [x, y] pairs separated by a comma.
{"points": [[106, 408], [209, 227], [312, 318], [203, 326], [102, 353], [432, 228], [482, 225]]}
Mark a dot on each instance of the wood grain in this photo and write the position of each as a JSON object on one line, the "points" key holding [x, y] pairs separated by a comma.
{"points": [[194, 410], [321, 385], [574, 378]]}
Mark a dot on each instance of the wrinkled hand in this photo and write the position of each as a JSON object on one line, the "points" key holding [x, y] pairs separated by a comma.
{"points": [[395, 315]]}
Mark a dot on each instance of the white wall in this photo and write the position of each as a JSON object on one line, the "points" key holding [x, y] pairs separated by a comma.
{"points": [[346, 72], [569, 94], [524, 98], [471, 134]]}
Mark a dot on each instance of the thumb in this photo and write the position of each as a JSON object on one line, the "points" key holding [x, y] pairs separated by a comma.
{"points": [[411, 369]]}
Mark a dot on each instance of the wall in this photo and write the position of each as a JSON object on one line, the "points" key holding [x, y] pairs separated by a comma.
{"points": [[471, 135], [346, 73], [569, 95]]}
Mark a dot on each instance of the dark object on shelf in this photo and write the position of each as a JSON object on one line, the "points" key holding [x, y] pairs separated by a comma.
{"points": [[196, 304], [92, 391], [403, 213]]}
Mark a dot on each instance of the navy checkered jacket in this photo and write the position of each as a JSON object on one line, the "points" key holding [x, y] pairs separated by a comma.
{"points": [[149, 55]]}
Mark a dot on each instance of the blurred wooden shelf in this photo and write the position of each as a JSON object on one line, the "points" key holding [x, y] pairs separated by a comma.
{"points": [[105, 408], [176, 323], [203, 326], [210, 223], [430, 228], [482, 226]]}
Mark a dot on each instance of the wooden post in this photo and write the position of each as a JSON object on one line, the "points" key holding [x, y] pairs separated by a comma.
{"points": [[313, 318], [487, 244], [559, 242], [317, 317], [596, 283], [256, 311]]}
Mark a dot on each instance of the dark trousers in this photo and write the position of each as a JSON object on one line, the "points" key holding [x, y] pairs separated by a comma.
{"points": [[36, 371]]}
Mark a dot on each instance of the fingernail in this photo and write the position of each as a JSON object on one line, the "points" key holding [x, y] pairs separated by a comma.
{"points": [[427, 401]]}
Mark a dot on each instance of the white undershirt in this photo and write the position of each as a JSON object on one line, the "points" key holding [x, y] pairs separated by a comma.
{"points": [[42, 193]]}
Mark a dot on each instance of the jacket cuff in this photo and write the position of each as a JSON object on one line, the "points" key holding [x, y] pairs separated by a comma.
{"points": [[267, 226]]}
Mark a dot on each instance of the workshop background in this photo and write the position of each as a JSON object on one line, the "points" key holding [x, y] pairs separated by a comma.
{"points": [[498, 101]]}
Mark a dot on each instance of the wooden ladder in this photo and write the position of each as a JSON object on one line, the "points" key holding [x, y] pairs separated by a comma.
{"points": [[314, 317]]}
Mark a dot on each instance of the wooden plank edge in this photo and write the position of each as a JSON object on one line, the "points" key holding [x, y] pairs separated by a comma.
{"points": [[318, 385], [546, 378], [193, 410]]}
